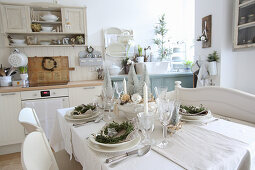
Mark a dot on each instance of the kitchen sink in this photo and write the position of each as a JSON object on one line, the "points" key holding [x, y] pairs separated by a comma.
{"points": [[154, 67]]}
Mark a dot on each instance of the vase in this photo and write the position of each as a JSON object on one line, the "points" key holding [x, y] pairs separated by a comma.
{"points": [[126, 69], [140, 59], [212, 68]]}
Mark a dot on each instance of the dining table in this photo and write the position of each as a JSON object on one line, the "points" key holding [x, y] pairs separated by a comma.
{"points": [[223, 143]]}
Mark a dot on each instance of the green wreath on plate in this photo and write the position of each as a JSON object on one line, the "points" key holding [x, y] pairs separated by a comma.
{"points": [[125, 127]]}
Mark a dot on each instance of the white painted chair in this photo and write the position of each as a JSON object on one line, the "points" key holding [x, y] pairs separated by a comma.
{"points": [[36, 153], [222, 101], [29, 120]]}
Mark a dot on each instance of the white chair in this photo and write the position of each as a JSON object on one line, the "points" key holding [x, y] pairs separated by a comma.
{"points": [[36, 153], [222, 101], [29, 120]]}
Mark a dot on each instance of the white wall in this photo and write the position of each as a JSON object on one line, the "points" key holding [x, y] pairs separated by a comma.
{"points": [[140, 16], [236, 67]]}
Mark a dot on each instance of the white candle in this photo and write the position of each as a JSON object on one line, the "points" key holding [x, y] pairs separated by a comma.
{"points": [[145, 98], [125, 86]]}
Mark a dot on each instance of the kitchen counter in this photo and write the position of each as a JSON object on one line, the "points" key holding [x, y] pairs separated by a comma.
{"points": [[71, 84]]}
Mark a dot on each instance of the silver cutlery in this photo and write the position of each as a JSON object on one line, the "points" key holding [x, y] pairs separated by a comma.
{"points": [[97, 120], [214, 120], [140, 152]]}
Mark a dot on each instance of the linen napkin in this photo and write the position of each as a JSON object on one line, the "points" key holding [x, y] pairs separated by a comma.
{"points": [[197, 148]]}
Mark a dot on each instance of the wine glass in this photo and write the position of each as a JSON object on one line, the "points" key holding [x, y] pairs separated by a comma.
{"points": [[160, 92], [165, 109], [118, 89], [146, 124]]}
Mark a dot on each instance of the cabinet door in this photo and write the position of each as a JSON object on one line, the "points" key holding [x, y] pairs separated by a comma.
{"points": [[73, 20], [11, 131], [83, 95], [16, 18]]}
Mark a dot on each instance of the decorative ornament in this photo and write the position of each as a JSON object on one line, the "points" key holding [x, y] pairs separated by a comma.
{"points": [[115, 132], [48, 63], [125, 98], [136, 98], [133, 83]]}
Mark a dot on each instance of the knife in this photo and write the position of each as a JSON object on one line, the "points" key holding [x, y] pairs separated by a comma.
{"points": [[140, 152]]}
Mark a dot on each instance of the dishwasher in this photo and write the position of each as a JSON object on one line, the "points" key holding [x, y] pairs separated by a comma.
{"points": [[46, 103]]}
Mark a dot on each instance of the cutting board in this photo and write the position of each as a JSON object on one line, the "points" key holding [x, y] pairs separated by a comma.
{"points": [[48, 70]]}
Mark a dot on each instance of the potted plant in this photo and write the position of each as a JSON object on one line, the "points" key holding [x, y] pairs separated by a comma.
{"points": [[187, 65], [161, 32], [213, 59], [140, 57], [23, 74], [126, 64]]}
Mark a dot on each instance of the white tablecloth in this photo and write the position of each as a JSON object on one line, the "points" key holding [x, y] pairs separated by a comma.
{"points": [[74, 141]]}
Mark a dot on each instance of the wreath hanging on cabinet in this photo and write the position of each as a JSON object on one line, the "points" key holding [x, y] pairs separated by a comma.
{"points": [[48, 63]]}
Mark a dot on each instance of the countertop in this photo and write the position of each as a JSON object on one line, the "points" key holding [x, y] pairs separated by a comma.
{"points": [[68, 85]]}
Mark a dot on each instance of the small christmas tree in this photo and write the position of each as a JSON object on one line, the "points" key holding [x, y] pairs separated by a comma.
{"points": [[133, 84], [144, 79], [107, 86]]}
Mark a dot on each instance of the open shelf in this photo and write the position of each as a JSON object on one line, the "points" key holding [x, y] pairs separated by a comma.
{"points": [[25, 46], [247, 25], [45, 33], [45, 22], [245, 4]]}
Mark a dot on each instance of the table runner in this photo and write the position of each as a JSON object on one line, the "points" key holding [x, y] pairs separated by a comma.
{"points": [[197, 148]]}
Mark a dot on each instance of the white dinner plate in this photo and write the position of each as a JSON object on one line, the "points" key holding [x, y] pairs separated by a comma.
{"points": [[190, 117], [207, 119], [92, 139], [122, 148], [70, 118]]}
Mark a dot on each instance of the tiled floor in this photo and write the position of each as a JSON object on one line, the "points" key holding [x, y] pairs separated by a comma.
{"points": [[13, 162]]}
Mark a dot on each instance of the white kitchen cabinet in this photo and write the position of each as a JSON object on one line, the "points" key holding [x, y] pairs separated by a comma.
{"points": [[16, 18], [11, 132], [83, 95], [74, 20]]}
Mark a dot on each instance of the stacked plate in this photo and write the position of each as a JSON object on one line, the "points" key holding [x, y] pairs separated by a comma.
{"points": [[83, 117], [200, 117], [112, 148]]}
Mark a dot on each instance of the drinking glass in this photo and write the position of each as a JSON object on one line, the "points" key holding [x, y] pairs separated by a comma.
{"points": [[146, 124], [165, 110], [160, 92], [108, 104], [118, 89]]}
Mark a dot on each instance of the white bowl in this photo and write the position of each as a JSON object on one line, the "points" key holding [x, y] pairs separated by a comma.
{"points": [[131, 109], [47, 29], [18, 41], [50, 18]]}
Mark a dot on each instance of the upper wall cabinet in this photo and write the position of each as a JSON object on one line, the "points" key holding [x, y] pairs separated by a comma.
{"points": [[244, 24], [16, 18], [73, 20]]}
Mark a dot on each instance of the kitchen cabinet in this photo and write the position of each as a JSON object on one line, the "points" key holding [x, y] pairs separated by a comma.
{"points": [[73, 20], [16, 18], [244, 24], [11, 131], [83, 95]]}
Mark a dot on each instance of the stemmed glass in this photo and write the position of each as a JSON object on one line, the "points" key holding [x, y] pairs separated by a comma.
{"points": [[165, 109], [146, 124], [118, 89], [108, 103]]}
